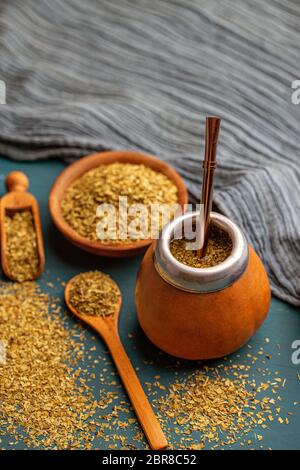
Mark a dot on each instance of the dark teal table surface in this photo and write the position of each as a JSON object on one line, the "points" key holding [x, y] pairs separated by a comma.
{"points": [[63, 260]]}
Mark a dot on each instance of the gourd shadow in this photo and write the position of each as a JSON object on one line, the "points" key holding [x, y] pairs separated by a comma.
{"points": [[152, 355]]}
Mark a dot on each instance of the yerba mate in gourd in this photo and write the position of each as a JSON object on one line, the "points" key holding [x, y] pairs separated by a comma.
{"points": [[201, 313]]}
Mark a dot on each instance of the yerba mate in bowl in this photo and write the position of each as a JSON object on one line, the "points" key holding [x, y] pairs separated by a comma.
{"points": [[94, 293], [113, 184], [102, 203]]}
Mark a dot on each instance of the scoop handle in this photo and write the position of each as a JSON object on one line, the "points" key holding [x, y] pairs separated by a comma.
{"points": [[16, 181], [139, 401]]}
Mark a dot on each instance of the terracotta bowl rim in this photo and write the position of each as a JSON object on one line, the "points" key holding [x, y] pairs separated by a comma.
{"points": [[84, 164]]}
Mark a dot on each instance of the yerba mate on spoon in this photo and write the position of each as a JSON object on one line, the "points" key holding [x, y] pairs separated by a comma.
{"points": [[96, 300], [22, 251]]}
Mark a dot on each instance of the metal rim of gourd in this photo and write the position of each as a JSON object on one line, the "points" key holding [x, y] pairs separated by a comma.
{"points": [[201, 280]]}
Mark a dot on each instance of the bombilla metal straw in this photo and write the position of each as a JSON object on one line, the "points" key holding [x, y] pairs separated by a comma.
{"points": [[209, 165]]}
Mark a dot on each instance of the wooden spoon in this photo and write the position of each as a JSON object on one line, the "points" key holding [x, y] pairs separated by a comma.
{"points": [[107, 327], [18, 199]]}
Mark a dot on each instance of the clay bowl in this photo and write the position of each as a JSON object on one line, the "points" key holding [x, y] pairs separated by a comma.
{"points": [[74, 171]]}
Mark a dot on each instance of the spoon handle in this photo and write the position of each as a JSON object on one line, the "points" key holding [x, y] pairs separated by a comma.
{"points": [[139, 401]]}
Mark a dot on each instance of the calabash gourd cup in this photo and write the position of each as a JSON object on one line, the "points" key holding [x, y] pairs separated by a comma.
{"points": [[201, 313]]}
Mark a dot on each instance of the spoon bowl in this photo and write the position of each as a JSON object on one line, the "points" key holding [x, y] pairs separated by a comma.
{"points": [[105, 326]]}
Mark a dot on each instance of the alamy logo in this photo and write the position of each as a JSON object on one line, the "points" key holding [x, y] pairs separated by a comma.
{"points": [[295, 97], [2, 353], [2, 92], [296, 354]]}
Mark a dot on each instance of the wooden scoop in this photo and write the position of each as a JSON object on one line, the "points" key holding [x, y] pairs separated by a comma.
{"points": [[107, 327], [18, 199], [209, 165]]}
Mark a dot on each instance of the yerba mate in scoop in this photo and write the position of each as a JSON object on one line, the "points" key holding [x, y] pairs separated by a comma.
{"points": [[22, 251], [22, 254]]}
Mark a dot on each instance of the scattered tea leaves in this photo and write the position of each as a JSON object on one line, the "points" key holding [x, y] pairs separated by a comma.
{"points": [[220, 406], [43, 400]]}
